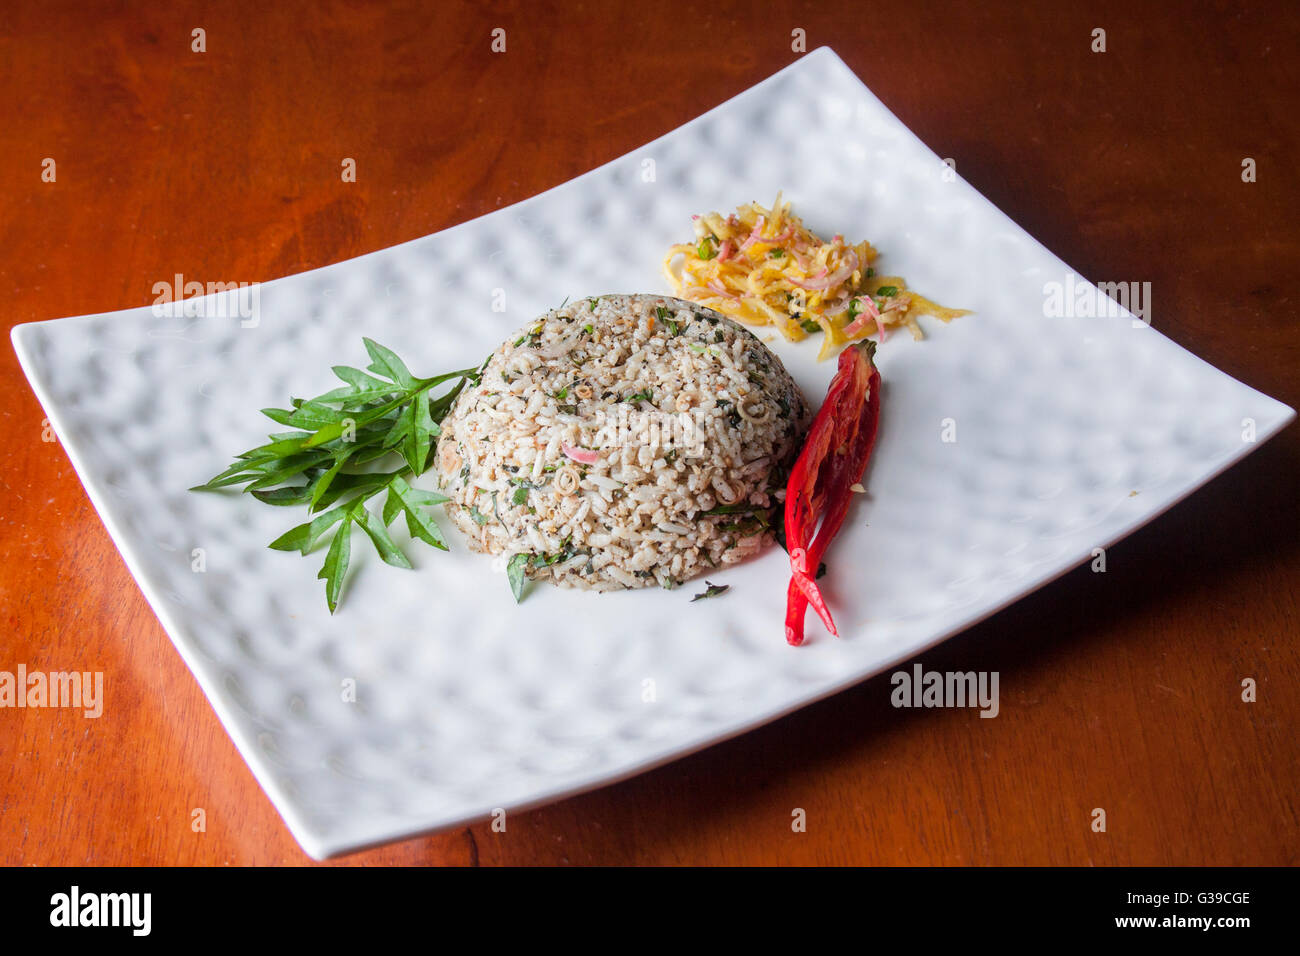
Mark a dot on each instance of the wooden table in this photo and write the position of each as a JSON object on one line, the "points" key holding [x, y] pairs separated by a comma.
{"points": [[1119, 690]]}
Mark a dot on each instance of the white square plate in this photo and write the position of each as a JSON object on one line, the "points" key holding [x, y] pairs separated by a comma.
{"points": [[466, 702]]}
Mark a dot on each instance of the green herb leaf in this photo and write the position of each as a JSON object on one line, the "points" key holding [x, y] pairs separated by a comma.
{"points": [[348, 485], [237, 473], [336, 563], [413, 501], [286, 443], [314, 415], [740, 509], [705, 250], [384, 362], [384, 544], [515, 572], [358, 379], [304, 536], [535, 334], [887, 291], [322, 484], [286, 468], [335, 430], [418, 497], [392, 505], [420, 430], [350, 399], [287, 496], [278, 415], [419, 525], [712, 590], [369, 453]]}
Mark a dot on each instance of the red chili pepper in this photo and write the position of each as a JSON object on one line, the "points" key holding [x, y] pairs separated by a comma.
{"points": [[819, 491]]}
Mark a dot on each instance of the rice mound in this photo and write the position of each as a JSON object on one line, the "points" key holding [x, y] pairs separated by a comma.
{"points": [[604, 437]]}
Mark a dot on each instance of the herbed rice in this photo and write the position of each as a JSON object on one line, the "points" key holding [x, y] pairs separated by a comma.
{"points": [[619, 375]]}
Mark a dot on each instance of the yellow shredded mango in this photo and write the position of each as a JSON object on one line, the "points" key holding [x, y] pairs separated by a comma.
{"points": [[764, 267]]}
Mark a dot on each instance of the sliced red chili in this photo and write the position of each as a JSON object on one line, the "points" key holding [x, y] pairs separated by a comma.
{"points": [[819, 492]]}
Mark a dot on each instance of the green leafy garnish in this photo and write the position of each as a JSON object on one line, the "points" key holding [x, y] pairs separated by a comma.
{"points": [[712, 590], [382, 412], [747, 526], [706, 250], [639, 396], [382, 540], [739, 509], [411, 502], [519, 563], [336, 562], [887, 291], [776, 253], [533, 336], [810, 325], [304, 536], [386, 363], [666, 317], [515, 572]]}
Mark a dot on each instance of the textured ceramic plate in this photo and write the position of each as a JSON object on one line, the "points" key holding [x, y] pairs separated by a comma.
{"points": [[465, 702]]}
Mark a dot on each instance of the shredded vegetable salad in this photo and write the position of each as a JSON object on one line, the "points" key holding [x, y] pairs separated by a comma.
{"points": [[764, 267]]}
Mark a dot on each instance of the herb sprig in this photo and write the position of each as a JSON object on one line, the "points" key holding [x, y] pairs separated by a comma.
{"points": [[381, 412], [711, 590]]}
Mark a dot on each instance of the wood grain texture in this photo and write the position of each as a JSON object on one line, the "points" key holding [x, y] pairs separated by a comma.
{"points": [[1119, 690]]}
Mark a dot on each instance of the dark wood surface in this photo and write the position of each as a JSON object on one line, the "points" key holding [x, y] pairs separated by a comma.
{"points": [[1119, 690]]}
